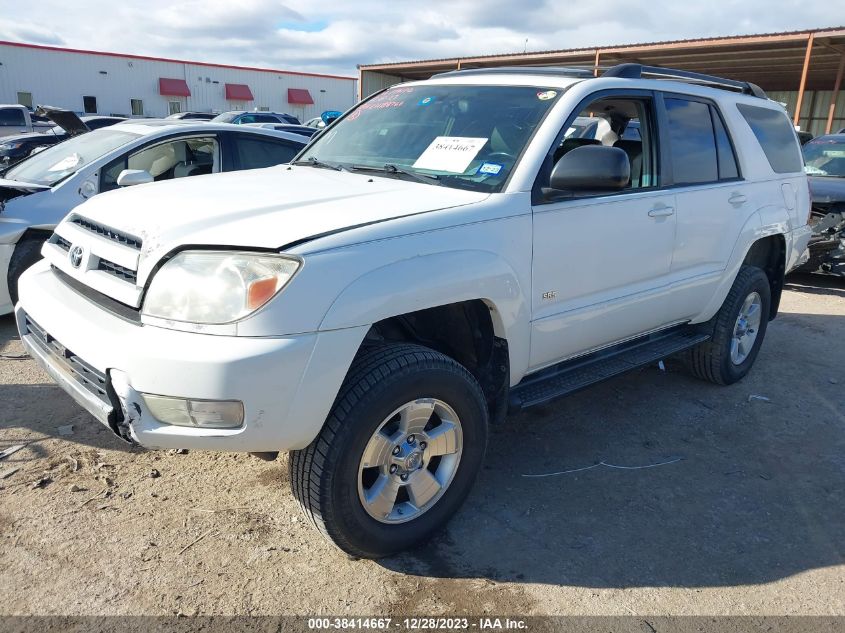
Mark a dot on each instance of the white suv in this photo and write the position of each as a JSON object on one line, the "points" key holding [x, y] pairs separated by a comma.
{"points": [[445, 252]]}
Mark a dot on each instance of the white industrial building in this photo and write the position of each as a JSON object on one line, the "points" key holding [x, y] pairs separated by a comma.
{"points": [[139, 86]]}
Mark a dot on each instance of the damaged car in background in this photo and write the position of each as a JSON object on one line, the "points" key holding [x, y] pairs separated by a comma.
{"points": [[825, 165], [65, 124]]}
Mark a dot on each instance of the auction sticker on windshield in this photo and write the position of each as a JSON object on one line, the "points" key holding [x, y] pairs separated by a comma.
{"points": [[452, 154]]}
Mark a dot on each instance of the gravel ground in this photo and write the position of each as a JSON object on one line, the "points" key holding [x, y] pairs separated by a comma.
{"points": [[747, 518]]}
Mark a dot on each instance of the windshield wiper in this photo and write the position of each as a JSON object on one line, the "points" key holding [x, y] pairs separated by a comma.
{"points": [[429, 179], [311, 161]]}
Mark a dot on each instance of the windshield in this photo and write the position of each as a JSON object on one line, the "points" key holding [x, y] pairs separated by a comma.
{"points": [[66, 158], [459, 136], [226, 117], [825, 157]]}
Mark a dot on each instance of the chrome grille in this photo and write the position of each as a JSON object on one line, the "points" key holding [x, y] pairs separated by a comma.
{"points": [[121, 272], [110, 233], [92, 380], [61, 243]]}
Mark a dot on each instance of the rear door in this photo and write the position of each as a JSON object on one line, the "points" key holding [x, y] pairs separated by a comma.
{"points": [[712, 202]]}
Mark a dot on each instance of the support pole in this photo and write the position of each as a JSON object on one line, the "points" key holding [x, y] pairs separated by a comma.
{"points": [[836, 86], [596, 64], [803, 84]]}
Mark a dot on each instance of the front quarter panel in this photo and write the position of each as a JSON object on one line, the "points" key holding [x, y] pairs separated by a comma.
{"points": [[489, 261]]}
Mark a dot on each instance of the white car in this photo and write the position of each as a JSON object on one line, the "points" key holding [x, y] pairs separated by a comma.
{"points": [[35, 194], [443, 254]]}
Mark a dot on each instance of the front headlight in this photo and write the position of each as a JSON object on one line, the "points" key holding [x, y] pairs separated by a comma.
{"points": [[214, 287], [5, 147]]}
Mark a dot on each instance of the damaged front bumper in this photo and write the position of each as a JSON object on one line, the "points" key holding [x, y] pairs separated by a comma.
{"points": [[107, 363]]}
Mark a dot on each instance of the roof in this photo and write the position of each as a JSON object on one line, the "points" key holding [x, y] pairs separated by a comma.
{"points": [[147, 127], [767, 59], [61, 49]]}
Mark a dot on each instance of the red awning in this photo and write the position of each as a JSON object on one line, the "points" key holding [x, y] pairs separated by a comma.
{"points": [[173, 87], [299, 96], [238, 92]]}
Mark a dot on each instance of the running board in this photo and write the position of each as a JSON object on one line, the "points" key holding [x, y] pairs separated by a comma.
{"points": [[570, 376]]}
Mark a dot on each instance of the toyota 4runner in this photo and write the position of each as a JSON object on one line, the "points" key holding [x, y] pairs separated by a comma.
{"points": [[447, 251]]}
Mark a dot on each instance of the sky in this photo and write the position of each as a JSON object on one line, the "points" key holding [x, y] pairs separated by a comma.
{"points": [[334, 37]]}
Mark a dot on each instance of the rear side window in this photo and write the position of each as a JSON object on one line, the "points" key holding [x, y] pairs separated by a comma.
{"points": [[255, 153], [724, 149], [775, 135], [694, 157]]}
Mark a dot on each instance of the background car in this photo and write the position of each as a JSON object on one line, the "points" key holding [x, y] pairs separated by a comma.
{"points": [[14, 149], [302, 130], [194, 116], [326, 118], [240, 117], [38, 192], [824, 159]]}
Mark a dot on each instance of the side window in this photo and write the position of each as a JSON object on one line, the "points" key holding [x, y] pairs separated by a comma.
{"points": [[625, 123], [694, 158], [776, 136], [12, 117], [724, 149], [265, 118], [248, 118], [254, 153], [165, 161]]}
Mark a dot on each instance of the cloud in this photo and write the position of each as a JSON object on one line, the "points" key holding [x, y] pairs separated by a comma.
{"points": [[307, 36]]}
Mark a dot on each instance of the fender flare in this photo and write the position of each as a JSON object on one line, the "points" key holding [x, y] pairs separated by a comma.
{"points": [[428, 281]]}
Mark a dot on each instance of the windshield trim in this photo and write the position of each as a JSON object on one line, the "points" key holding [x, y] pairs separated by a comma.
{"points": [[517, 163]]}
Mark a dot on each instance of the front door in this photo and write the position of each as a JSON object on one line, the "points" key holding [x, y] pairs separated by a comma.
{"points": [[601, 262]]}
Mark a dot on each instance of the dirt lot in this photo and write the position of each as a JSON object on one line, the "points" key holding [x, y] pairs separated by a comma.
{"points": [[749, 520]]}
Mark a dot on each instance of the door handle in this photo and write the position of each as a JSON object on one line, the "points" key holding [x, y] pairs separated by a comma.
{"points": [[737, 199], [661, 212]]}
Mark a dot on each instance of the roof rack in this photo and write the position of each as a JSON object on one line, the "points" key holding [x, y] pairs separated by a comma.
{"points": [[636, 71], [557, 71]]}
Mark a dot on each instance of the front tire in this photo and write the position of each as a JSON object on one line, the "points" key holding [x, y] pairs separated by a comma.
{"points": [[398, 453], [738, 331]]}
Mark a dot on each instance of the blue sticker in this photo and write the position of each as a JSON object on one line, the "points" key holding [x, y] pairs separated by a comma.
{"points": [[491, 169], [427, 101]]}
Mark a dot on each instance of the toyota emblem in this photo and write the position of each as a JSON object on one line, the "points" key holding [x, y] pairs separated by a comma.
{"points": [[75, 256]]}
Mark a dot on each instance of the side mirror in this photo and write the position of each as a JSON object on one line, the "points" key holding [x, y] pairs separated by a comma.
{"points": [[591, 168], [129, 177]]}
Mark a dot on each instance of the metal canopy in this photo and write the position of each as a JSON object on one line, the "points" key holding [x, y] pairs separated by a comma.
{"points": [[774, 61]]}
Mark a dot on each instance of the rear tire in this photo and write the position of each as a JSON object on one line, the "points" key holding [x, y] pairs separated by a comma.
{"points": [[384, 403], [728, 356], [27, 252]]}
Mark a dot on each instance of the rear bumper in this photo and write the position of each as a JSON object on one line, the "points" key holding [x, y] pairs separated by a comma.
{"points": [[798, 253], [287, 384]]}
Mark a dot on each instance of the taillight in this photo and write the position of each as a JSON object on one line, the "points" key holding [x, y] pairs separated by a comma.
{"points": [[810, 206]]}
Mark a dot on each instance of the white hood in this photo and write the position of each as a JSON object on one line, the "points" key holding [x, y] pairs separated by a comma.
{"points": [[264, 208]]}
